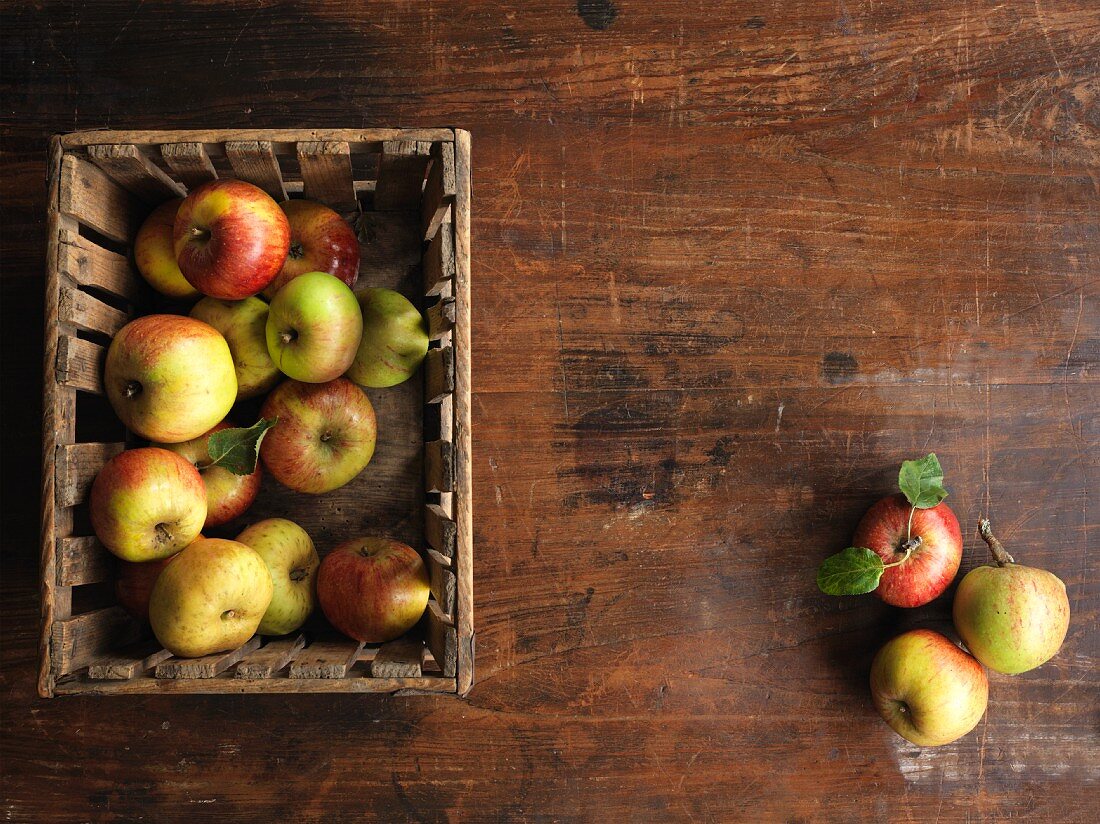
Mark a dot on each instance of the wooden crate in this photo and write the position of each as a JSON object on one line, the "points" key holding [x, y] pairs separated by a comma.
{"points": [[407, 191]]}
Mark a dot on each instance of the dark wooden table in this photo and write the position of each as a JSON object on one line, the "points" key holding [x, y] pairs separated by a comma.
{"points": [[732, 263]]}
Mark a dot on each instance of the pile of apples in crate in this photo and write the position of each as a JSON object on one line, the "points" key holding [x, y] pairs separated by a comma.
{"points": [[172, 380]]}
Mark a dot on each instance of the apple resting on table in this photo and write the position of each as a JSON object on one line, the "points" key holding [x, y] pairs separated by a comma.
{"points": [[320, 241], [243, 324], [231, 239], [155, 253], [169, 378], [210, 598], [147, 504], [325, 435], [313, 328], [395, 339], [292, 561]]}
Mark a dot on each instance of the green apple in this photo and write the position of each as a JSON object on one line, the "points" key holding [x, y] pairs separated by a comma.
{"points": [[292, 561], [147, 504], [313, 328], [928, 690], [243, 324], [395, 339], [155, 254], [169, 378], [209, 599], [1011, 617]]}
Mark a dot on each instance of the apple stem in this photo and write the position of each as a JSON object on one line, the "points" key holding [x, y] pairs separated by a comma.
{"points": [[287, 337], [298, 574], [132, 389], [908, 546], [199, 234], [1000, 554], [909, 527]]}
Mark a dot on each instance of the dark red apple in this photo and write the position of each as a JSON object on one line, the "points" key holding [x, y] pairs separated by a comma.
{"points": [[320, 241], [935, 555], [231, 239], [373, 589], [135, 583]]}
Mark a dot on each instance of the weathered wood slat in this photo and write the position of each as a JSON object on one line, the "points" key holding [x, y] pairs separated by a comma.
{"points": [[80, 640], [439, 191], [439, 374], [269, 660], [439, 530], [80, 364], [190, 162], [89, 264], [400, 176], [82, 560], [89, 195], [208, 665], [85, 312], [136, 173], [442, 638], [439, 263], [127, 664], [443, 582], [76, 466], [326, 659], [243, 686], [284, 140], [397, 659], [327, 175], [254, 161], [438, 466], [441, 318]]}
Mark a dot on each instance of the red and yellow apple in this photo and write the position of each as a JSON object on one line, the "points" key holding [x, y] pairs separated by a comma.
{"points": [[932, 563], [147, 504], [231, 239], [325, 436], [228, 495], [155, 253], [242, 323], [169, 378], [292, 561], [395, 339], [320, 241], [373, 589], [313, 328]]}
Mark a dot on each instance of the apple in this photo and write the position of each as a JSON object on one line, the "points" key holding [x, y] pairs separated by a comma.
{"points": [[134, 583], [313, 328], [320, 241], [230, 239], [169, 378], [155, 253], [325, 436], [1011, 617], [243, 324], [147, 504], [373, 589], [928, 690], [395, 339], [210, 599], [292, 561], [228, 495], [933, 561]]}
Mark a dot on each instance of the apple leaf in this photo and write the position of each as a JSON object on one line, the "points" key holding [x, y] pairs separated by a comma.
{"points": [[238, 449], [922, 481], [854, 571]]}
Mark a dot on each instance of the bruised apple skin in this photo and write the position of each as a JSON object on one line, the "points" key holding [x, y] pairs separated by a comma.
{"points": [[931, 565]]}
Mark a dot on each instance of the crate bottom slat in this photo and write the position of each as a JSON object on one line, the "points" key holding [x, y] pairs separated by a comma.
{"points": [[227, 683]]}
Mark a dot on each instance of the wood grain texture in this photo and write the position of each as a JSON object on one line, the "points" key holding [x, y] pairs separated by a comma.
{"points": [[325, 659], [88, 264], [730, 265], [398, 659], [127, 664], [189, 162], [327, 173], [266, 662], [206, 666], [90, 196], [255, 161], [136, 173]]}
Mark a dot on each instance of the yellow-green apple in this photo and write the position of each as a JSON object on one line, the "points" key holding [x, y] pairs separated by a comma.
{"points": [[320, 241], [1011, 617], [230, 238], [210, 599], [169, 378], [934, 545], [134, 583], [395, 339], [325, 436], [373, 589], [313, 328], [228, 495], [928, 690], [155, 253], [147, 504], [242, 323], [292, 561]]}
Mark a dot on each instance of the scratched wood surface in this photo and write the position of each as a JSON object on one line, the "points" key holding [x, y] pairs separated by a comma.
{"points": [[730, 266]]}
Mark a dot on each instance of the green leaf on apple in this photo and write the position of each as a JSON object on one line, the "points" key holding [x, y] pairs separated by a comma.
{"points": [[854, 571], [922, 481], [238, 449]]}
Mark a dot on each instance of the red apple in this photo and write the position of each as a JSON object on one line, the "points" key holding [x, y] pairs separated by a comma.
{"points": [[134, 584], [935, 557], [231, 239], [325, 435], [320, 241], [155, 253], [373, 589], [227, 494]]}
